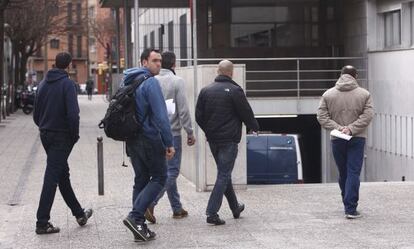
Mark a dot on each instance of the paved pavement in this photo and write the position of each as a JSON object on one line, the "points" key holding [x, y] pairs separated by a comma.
{"points": [[283, 216]]}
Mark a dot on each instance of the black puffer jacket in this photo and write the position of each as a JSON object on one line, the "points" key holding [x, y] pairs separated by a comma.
{"points": [[221, 108]]}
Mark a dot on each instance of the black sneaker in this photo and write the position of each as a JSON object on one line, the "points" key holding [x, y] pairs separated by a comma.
{"points": [[354, 215], [215, 220], [84, 219], [48, 228], [237, 212], [150, 234], [140, 231]]}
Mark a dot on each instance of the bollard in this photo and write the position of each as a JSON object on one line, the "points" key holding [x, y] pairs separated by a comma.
{"points": [[403, 179], [100, 166]]}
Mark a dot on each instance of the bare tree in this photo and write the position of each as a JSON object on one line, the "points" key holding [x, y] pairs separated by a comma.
{"points": [[31, 24], [104, 30]]}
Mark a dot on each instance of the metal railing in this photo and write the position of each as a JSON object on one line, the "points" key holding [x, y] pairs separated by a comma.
{"points": [[292, 77]]}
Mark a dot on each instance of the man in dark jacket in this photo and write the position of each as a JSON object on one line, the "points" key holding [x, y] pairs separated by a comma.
{"points": [[148, 152], [221, 108], [56, 114]]}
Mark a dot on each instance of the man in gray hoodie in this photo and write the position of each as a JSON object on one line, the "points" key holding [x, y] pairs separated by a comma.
{"points": [[172, 87], [347, 108]]}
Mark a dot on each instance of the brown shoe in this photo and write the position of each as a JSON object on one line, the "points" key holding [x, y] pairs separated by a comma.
{"points": [[149, 215], [180, 214]]}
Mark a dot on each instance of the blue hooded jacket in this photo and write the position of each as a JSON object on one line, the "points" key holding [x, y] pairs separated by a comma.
{"points": [[56, 104], [150, 106]]}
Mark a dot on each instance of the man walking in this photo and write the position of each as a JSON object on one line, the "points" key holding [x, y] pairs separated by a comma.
{"points": [[173, 89], [347, 108], [221, 108], [148, 151], [56, 114], [89, 88]]}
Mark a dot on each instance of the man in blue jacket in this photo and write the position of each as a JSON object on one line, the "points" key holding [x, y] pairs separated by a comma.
{"points": [[150, 149], [56, 114]]}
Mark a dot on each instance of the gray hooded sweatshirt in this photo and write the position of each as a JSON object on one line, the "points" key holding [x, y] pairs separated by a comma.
{"points": [[172, 87], [346, 105]]}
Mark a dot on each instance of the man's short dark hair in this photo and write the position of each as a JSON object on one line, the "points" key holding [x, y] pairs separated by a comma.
{"points": [[351, 70], [168, 59], [63, 60], [146, 53]]}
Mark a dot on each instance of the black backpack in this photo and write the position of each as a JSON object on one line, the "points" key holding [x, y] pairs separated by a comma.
{"points": [[121, 122]]}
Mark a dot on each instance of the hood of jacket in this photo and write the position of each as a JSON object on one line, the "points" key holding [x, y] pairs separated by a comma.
{"points": [[346, 83], [164, 72], [131, 74], [55, 75]]}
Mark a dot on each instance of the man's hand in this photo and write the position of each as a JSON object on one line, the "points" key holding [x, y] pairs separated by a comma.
{"points": [[256, 133], [191, 140], [346, 131], [169, 153]]}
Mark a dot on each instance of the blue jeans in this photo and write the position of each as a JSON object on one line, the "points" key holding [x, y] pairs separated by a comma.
{"points": [[349, 156], [148, 160], [173, 170], [58, 146], [225, 155]]}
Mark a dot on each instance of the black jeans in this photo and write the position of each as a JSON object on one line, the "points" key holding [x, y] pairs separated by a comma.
{"points": [[58, 146], [225, 155], [150, 167]]}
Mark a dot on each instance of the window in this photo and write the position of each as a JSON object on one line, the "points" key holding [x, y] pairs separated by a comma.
{"points": [[54, 43], [161, 37], [79, 46], [91, 13], [152, 39], [171, 36], [276, 24], [183, 39], [145, 41], [70, 13], [392, 28], [78, 13], [412, 22], [70, 44]]}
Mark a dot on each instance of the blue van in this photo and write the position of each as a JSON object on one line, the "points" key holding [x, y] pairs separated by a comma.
{"points": [[274, 159]]}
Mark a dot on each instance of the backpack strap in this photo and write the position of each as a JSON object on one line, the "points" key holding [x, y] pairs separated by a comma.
{"points": [[138, 82]]}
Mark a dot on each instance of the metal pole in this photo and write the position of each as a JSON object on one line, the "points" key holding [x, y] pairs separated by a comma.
{"points": [[118, 41], [196, 90], [127, 22], [100, 166], [298, 77], [136, 33]]}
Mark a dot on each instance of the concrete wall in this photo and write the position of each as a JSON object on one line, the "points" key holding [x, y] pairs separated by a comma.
{"points": [[390, 146], [199, 156]]}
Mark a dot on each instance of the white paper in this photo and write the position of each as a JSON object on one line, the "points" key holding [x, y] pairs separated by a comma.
{"points": [[170, 106], [338, 134]]}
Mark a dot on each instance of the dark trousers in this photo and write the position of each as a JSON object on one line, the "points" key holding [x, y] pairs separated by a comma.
{"points": [[225, 155], [149, 163], [349, 156], [58, 146]]}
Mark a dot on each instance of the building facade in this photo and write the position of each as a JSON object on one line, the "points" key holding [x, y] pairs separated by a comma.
{"points": [[293, 51]]}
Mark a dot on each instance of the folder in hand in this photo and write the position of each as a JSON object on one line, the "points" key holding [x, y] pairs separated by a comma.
{"points": [[338, 134]]}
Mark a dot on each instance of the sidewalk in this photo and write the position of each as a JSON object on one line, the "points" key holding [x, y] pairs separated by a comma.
{"points": [[282, 216]]}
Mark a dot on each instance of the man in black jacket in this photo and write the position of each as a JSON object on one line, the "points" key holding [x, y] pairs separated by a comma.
{"points": [[56, 114], [221, 108]]}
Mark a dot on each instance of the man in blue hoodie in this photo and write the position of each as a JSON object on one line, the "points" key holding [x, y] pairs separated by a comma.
{"points": [[150, 149], [56, 114]]}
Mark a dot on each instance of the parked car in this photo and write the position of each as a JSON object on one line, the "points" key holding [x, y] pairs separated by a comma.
{"points": [[274, 159]]}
